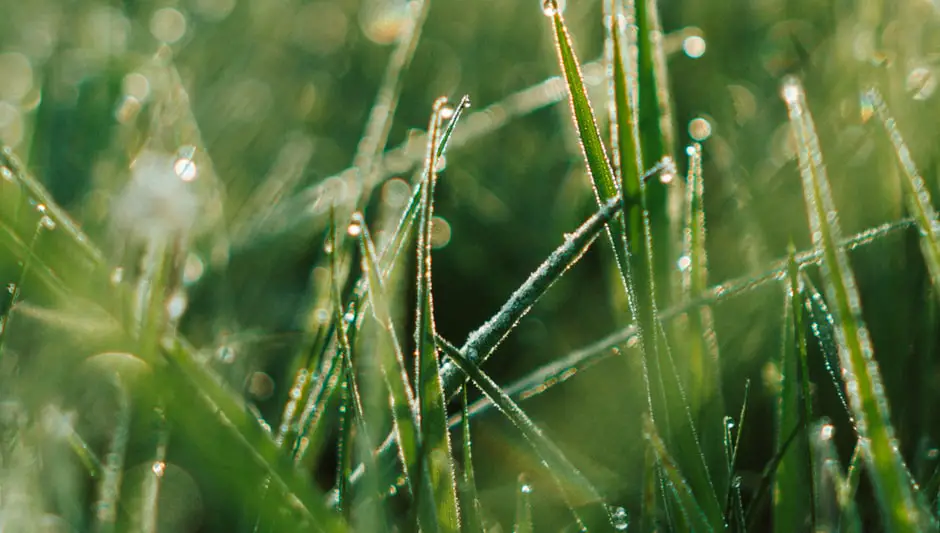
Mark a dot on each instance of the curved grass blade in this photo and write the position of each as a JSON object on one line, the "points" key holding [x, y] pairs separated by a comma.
{"points": [[863, 379], [153, 480], [916, 191], [792, 507], [678, 487], [435, 446], [523, 506], [578, 490], [602, 176]]}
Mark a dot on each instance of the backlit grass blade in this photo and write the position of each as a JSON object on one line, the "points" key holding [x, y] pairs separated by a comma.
{"points": [[557, 372], [863, 378], [656, 137], [470, 499], [823, 326], [916, 191], [651, 483], [678, 487], [602, 176], [523, 506], [435, 439], [792, 506], [578, 490], [400, 397], [834, 510], [483, 341], [153, 480]]}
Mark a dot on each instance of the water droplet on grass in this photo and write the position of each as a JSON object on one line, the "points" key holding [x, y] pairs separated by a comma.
{"points": [[619, 519], [526, 489], [355, 226], [922, 83], [159, 468], [117, 276], [694, 46], [185, 168], [551, 7]]}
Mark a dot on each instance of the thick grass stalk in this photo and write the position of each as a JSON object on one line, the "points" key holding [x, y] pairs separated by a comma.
{"points": [[916, 191], [863, 378], [432, 414]]}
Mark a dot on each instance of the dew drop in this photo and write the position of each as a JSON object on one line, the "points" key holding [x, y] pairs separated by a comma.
{"points": [[526, 489], [6, 173], [826, 431], [551, 7], [176, 306], [699, 129], [225, 354], [322, 316], [47, 223], [355, 226], [684, 263], [349, 316], [11, 288], [447, 112], [158, 468], [619, 519], [117, 276], [694, 46], [185, 168]]}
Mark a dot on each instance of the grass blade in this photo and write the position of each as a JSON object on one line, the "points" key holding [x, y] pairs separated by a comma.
{"points": [[578, 489], [677, 485], [523, 506], [602, 176], [863, 379], [435, 439], [401, 399], [791, 505], [834, 510], [470, 499]]}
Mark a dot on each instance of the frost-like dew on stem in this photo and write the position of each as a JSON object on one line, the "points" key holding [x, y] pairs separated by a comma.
{"points": [[916, 191], [523, 506], [862, 376]]}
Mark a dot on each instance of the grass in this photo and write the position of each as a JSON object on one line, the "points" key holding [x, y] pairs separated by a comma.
{"points": [[143, 254]]}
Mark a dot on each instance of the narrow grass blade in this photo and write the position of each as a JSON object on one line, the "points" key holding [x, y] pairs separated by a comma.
{"points": [[916, 191], [435, 439], [153, 480], [109, 488], [557, 372], [649, 511], [18, 285], [678, 487], [834, 511], [523, 506], [470, 499], [792, 506], [602, 176], [656, 137], [823, 326], [401, 399], [863, 378], [579, 491]]}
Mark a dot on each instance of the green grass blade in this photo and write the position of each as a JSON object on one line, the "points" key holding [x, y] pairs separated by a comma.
{"points": [[792, 506], [678, 487], [602, 176], [401, 399], [523, 506], [648, 506], [916, 191], [435, 439], [109, 487], [656, 137], [834, 511], [579, 491], [866, 397], [470, 498], [483, 341]]}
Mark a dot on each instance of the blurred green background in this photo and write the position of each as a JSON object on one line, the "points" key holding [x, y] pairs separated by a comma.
{"points": [[276, 93]]}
